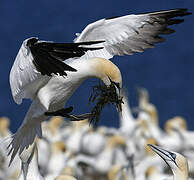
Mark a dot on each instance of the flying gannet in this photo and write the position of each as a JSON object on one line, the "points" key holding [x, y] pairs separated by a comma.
{"points": [[48, 73]]}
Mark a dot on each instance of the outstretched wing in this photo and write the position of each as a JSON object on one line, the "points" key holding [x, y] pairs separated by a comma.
{"points": [[38, 58], [131, 33]]}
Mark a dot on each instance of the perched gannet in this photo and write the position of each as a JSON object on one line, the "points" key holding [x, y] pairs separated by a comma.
{"points": [[93, 143], [98, 163], [172, 139], [116, 172], [180, 125], [52, 130], [79, 129], [177, 162], [57, 160], [153, 173], [29, 160], [44, 148], [68, 171], [4, 127], [148, 159], [65, 177], [152, 114], [127, 121], [39, 68]]}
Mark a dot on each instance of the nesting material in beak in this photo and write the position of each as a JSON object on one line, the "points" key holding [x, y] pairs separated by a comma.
{"points": [[103, 95]]}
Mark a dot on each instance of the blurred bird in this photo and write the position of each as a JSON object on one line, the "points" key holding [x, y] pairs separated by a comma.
{"points": [[39, 67], [172, 139], [127, 121], [65, 177], [147, 159], [153, 173], [151, 118], [177, 162], [116, 172], [52, 131], [102, 163], [29, 159], [4, 127], [92, 143], [74, 141], [44, 148], [57, 160]]}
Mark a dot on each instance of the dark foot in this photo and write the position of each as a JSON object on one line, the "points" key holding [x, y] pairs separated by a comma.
{"points": [[65, 113], [62, 112], [79, 117]]}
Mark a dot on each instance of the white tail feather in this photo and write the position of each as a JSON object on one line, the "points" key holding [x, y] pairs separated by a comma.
{"points": [[23, 138]]}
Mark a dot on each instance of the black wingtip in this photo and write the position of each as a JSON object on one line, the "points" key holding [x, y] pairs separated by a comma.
{"points": [[90, 42]]}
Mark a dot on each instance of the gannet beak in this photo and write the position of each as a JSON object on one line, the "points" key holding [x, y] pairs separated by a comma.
{"points": [[164, 154], [117, 87]]}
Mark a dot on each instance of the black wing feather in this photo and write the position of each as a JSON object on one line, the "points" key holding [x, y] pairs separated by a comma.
{"points": [[48, 57]]}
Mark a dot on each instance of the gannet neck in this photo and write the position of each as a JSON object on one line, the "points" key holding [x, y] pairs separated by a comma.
{"points": [[181, 170]]}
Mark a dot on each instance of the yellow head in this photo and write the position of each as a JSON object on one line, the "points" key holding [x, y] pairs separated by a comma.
{"points": [[177, 122], [148, 151], [115, 141], [54, 123], [4, 125], [108, 72], [59, 146]]}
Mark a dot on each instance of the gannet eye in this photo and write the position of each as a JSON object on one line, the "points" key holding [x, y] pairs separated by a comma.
{"points": [[173, 155]]}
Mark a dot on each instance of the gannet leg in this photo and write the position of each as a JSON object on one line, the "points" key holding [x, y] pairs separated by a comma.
{"points": [[65, 113], [61, 112]]}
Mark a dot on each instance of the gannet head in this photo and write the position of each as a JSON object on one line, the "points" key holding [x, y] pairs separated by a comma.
{"points": [[4, 126], [177, 162], [146, 106], [59, 147], [54, 123], [152, 141], [174, 124], [108, 72], [151, 171]]}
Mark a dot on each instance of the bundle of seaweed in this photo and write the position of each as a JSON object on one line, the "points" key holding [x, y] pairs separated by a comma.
{"points": [[103, 96]]}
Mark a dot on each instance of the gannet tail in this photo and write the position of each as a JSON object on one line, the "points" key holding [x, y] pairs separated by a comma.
{"points": [[23, 138]]}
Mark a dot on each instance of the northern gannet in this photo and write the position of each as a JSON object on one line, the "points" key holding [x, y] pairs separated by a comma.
{"points": [[40, 66], [151, 119], [149, 159], [52, 131], [79, 129], [127, 121], [117, 172], [177, 162], [97, 163], [57, 160], [29, 164], [93, 143], [4, 127], [153, 173], [65, 177]]}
